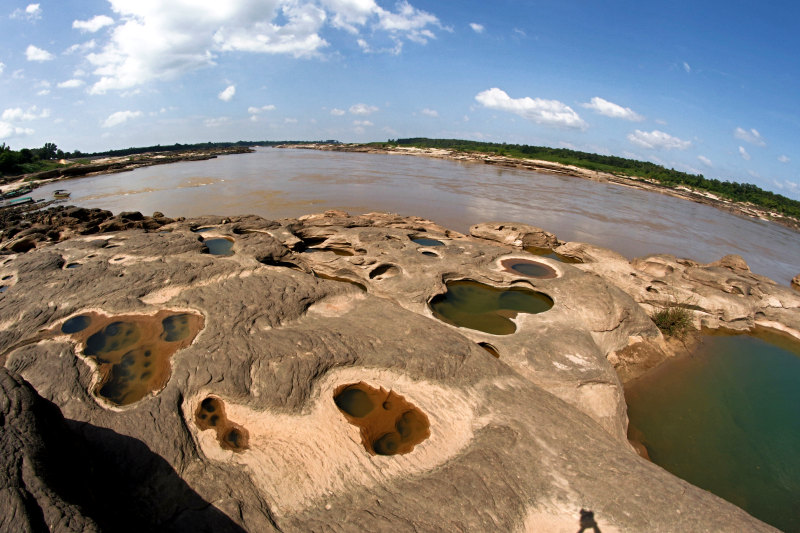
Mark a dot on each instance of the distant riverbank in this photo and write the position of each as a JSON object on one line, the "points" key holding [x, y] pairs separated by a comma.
{"points": [[703, 197], [111, 165]]}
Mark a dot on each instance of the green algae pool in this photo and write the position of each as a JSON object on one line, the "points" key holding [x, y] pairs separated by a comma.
{"points": [[727, 419], [473, 305]]}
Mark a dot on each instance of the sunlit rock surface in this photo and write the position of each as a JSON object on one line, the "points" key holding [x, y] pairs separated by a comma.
{"points": [[519, 439]]}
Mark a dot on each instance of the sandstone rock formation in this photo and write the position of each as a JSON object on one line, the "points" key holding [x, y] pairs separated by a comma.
{"points": [[519, 442]]}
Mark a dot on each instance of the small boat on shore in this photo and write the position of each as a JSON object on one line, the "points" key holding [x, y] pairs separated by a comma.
{"points": [[61, 193], [25, 189], [17, 201]]}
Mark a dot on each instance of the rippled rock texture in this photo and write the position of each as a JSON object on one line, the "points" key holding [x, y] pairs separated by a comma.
{"points": [[514, 432]]}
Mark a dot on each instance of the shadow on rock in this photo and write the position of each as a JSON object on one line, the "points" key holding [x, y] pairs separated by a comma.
{"points": [[73, 476]]}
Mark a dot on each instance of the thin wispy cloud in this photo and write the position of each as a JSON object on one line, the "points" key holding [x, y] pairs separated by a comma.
{"points": [[430, 112], [477, 28], [784, 159], [658, 140], [31, 12], [538, 110], [256, 110], [71, 84], [687, 68], [92, 25], [120, 117], [751, 136], [337, 112], [362, 109], [706, 161], [744, 154], [610, 109]]}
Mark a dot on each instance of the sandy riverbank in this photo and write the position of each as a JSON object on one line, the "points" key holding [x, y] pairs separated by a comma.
{"points": [[702, 197]]}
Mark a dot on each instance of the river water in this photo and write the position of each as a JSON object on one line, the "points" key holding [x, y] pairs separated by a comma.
{"points": [[280, 183]]}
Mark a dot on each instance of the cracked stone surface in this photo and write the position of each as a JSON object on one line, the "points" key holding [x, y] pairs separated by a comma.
{"points": [[519, 442]]}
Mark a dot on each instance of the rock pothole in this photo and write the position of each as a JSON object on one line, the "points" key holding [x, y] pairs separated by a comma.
{"points": [[132, 352], [389, 424], [210, 414]]}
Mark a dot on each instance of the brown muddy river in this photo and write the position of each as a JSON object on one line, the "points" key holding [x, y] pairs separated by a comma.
{"points": [[278, 183]]}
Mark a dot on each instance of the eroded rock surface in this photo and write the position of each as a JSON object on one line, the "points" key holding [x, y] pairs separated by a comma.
{"points": [[520, 439]]}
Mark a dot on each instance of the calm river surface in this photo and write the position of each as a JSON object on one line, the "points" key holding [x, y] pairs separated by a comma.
{"points": [[279, 183]]}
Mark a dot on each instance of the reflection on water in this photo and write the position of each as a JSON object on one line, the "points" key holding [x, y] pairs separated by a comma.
{"points": [[276, 183], [473, 305], [727, 419]]}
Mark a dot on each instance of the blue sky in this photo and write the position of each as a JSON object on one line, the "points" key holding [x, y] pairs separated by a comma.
{"points": [[706, 87]]}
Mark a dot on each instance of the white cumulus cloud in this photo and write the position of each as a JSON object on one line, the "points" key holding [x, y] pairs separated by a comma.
{"points": [[610, 109], [9, 130], [784, 159], [120, 117], [256, 110], [751, 136], [2, 67], [337, 112], [477, 28], [33, 53], [657, 140], [362, 109], [227, 94], [164, 40], [18, 114], [539, 110], [744, 154], [430, 112], [706, 161], [71, 84], [92, 25], [362, 123]]}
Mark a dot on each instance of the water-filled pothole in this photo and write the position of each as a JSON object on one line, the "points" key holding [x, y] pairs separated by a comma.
{"points": [[429, 254], [210, 414], [473, 305], [220, 246], [531, 269], [72, 265], [426, 241], [547, 252], [203, 230], [132, 352], [389, 424]]}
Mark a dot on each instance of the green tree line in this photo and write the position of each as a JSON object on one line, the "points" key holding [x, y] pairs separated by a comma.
{"points": [[29, 159], [739, 192]]}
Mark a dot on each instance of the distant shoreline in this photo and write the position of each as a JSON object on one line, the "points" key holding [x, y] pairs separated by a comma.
{"points": [[703, 197], [114, 164]]}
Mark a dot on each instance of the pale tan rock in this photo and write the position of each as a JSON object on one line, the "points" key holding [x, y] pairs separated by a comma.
{"points": [[542, 427]]}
